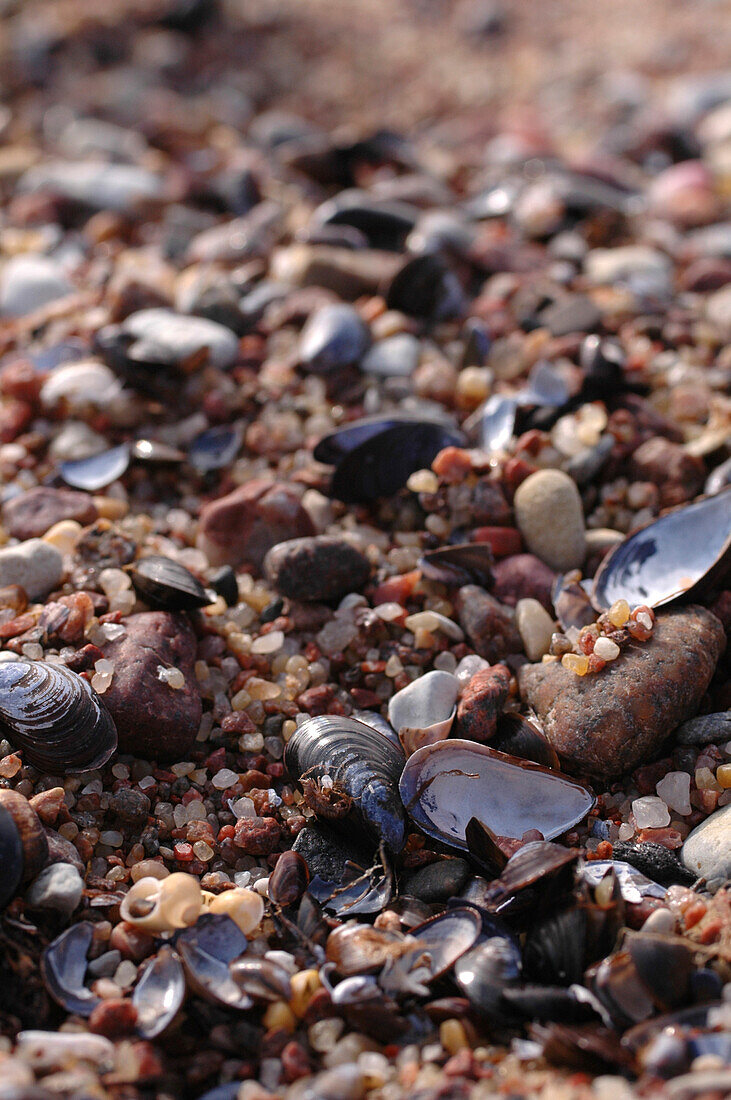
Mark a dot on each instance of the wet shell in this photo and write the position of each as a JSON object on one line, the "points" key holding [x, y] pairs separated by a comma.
{"points": [[362, 764], [55, 717], [288, 881], [423, 712], [681, 553], [206, 950], [446, 937], [460, 564], [63, 968], [443, 786], [97, 471], [375, 457], [517, 736], [485, 972], [11, 858], [159, 993], [163, 582]]}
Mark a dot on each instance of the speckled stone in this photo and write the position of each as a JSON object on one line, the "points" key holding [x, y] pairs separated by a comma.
{"points": [[29, 515], [154, 720], [318, 568], [243, 525], [608, 723], [550, 516], [488, 624]]}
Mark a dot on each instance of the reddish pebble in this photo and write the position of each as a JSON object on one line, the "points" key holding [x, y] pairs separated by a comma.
{"points": [[113, 1018], [396, 589], [452, 465], [711, 931], [295, 1063], [183, 853], [257, 836], [694, 913], [130, 942], [503, 541]]}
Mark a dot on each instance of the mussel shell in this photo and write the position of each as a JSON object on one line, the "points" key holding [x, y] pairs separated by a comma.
{"points": [[262, 979], [63, 968], [385, 455], [363, 764], [572, 604], [223, 582], [154, 451], [97, 471], [159, 993], [425, 287], [55, 717], [589, 1048], [288, 881], [446, 784], [460, 564], [215, 448], [681, 553], [664, 965], [555, 949], [548, 1002], [206, 949], [446, 937], [11, 858], [517, 736], [30, 829], [484, 972], [166, 583]]}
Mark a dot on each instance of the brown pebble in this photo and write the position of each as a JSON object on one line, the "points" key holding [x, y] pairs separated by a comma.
{"points": [[257, 836], [47, 804], [489, 624], [243, 525], [522, 576], [481, 703], [114, 1018], [678, 475], [29, 515], [131, 942]]}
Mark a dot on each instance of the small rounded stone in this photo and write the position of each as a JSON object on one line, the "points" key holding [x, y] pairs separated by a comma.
{"points": [[550, 517], [535, 626]]}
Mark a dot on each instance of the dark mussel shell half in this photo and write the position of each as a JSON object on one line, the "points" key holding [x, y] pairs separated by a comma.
{"points": [[97, 471], [166, 583], [363, 766], [159, 993], [518, 736], [445, 785], [460, 564], [485, 972], [446, 937], [687, 550], [55, 717], [63, 968], [375, 458], [215, 448], [11, 858], [206, 949]]}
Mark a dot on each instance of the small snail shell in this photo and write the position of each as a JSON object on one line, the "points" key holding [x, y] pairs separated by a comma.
{"points": [[160, 905], [244, 907]]}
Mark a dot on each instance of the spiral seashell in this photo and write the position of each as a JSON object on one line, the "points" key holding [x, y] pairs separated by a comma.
{"points": [[244, 907], [162, 905], [55, 717]]}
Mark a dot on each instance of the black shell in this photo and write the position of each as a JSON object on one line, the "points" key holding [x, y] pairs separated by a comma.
{"points": [[11, 858], [363, 764], [459, 564], [166, 583], [63, 967], [680, 553], [55, 717], [375, 458]]}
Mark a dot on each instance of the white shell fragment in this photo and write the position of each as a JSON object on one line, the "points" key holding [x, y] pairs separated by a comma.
{"points": [[444, 785], [423, 712]]}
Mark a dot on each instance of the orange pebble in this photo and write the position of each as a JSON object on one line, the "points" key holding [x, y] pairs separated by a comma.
{"points": [[694, 913]]}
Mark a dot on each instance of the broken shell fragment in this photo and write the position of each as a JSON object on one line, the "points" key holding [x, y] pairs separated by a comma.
{"points": [[162, 905], [680, 554], [63, 968], [206, 950], [423, 712], [444, 785], [159, 993]]}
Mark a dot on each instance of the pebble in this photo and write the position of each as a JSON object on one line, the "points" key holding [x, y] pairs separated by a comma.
{"points": [[707, 850], [335, 336], [349, 273], [320, 568], [576, 313], [678, 475], [246, 523], [481, 703], [489, 624], [96, 184], [550, 517], [522, 576], [650, 812], [608, 723], [707, 729], [437, 881], [395, 357], [536, 627], [29, 515], [35, 565], [153, 720], [718, 311], [81, 385], [58, 887], [167, 337], [674, 790], [614, 265], [28, 282]]}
